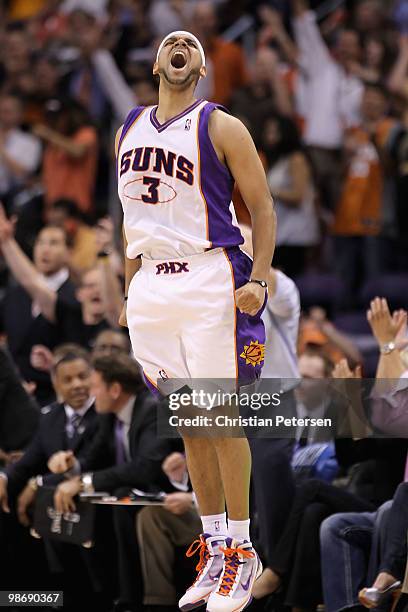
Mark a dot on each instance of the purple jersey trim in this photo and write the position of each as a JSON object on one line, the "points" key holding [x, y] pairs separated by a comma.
{"points": [[151, 386], [162, 126], [129, 121], [216, 185], [247, 329]]}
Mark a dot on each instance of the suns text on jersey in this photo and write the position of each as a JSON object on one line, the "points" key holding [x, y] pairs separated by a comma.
{"points": [[155, 159]]}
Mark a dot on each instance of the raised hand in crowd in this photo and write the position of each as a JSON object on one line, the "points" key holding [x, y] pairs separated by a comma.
{"points": [[342, 370], [274, 31], [400, 318], [341, 341], [385, 326], [387, 330]]}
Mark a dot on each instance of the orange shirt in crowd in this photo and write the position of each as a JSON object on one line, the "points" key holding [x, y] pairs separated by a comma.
{"points": [[229, 72], [70, 178], [24, 9], [359, 209]]}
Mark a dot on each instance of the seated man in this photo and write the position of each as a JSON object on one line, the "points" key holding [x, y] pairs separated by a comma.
{"points": [[70, 423], [160, 530], [367, 548], [126, 453]]}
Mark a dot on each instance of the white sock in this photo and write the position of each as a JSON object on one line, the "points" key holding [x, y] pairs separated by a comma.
{"points": [[215, 524], [239, 530]]}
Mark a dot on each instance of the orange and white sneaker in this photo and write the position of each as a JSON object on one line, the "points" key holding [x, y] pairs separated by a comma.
{"points": [[242, 567], [209, 567]]}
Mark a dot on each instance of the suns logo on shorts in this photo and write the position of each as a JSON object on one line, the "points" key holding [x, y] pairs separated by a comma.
{"points": [[253, 353]]}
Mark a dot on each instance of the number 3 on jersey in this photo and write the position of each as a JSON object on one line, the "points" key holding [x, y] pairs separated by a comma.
{"points": [[152, 196]]}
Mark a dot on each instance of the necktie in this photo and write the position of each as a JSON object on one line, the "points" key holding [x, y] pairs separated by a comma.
{"points": [[73, 424], [119, 445], [304, 437]]}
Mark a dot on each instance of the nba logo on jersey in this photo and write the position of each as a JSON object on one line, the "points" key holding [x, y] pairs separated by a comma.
{"points": [[187, 125]]}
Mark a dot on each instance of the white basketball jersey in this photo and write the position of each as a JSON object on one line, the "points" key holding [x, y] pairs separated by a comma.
{"points": [[175, 193]]}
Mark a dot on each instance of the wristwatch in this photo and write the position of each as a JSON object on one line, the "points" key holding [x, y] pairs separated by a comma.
{"points": [[387, 348], [35, 482], [87, 483], [263, 283]]}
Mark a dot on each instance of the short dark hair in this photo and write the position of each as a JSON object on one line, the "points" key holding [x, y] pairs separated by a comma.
{"points": [[64, 353], [121, 369], [70, 207], [57, 227]]}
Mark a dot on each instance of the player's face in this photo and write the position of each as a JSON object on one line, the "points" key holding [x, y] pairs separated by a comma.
{"points": [[179, 62]]}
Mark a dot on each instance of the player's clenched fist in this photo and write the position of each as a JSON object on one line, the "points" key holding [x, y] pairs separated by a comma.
{"points": [[250, 298]]}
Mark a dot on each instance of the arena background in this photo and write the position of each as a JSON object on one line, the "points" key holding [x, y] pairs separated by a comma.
{"points": [[325, 97]]}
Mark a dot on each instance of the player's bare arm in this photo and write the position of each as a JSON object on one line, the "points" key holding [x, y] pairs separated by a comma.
{"points": [[131, 265], [235, 149]]}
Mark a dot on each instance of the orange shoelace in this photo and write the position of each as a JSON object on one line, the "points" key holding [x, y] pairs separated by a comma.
{"points": [[201, 547], [231, 565]]}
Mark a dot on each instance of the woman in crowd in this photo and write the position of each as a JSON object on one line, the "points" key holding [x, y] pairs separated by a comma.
{"points": [[290, 180], [70, 157]]}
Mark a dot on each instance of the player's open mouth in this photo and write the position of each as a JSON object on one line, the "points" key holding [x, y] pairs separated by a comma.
{"points": [[178, 59]]}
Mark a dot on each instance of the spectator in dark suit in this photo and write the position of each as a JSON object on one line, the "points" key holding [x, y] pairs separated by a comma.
{"points": [[126, 453], [70, 423], [24, 319], [19, 412]]}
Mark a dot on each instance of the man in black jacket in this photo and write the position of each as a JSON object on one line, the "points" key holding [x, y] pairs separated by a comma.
{"points": [[68, 424], [126, 453], [23, 318]]}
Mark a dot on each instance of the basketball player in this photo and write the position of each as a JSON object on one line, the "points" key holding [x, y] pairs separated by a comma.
{"points": [[194, 299]]}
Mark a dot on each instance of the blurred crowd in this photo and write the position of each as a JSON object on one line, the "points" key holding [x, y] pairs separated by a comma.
{"points": [[323, 88]]}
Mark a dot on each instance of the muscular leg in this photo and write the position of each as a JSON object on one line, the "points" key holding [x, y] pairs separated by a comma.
{"points": [[234, 460], [204, 471]]}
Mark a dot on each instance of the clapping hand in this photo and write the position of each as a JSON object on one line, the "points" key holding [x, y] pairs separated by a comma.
{"points": [[386, 328], [342, 370]]}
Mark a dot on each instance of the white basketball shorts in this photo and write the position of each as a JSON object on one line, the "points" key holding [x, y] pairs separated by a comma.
{"points": [[184, 324]]}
